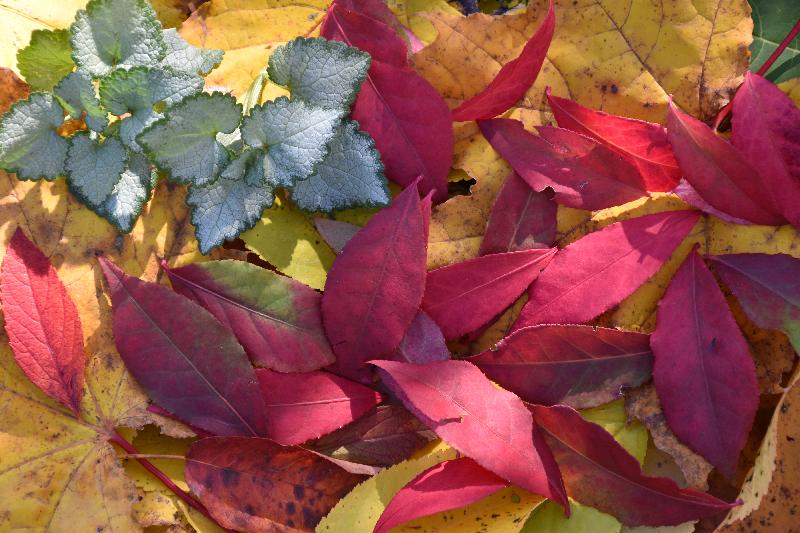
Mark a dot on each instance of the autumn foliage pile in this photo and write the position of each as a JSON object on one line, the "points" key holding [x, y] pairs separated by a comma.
{"points": [[492, 374]]}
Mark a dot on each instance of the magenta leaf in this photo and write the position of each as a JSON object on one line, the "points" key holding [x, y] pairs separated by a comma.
{"points": [[350, 24], [422, 343]]}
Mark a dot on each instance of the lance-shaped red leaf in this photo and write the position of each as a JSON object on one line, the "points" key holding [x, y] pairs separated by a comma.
{"points": [[413, 135], [514, 78], [767, 287], [642, 143], [719, 172], [580, 366], [383, 437], [184, 359], [301, 407], [688, 194], [704, 374], [276, 319], [594, 273], [422, 343], [600, 473], [448, 485], [480, 420], [376, 284], [464, 296], [353, 25], [765, 129], [335, 232], [42, 323], [521, 219], [256, 485], [378, 10], [583, 173]]}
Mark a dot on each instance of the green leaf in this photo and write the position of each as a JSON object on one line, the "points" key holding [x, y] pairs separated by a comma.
{"points": [[294, 134], [130, 194], [30, 145], [47, 59], [772, 21], [78, 96], [232, 204], [93, 168], [351, 175], [184, 57], [321, 72], [184, 143], [144, 93], [112, 34]]}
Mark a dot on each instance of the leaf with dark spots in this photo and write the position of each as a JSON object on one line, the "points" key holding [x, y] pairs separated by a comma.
{"points": [[301, 407], [422, 343], [580, 366], [256, 485], [275, 318], [42, 323], [521, 219], [704, 374], [187, 362], [335, 232], [600, 473]]}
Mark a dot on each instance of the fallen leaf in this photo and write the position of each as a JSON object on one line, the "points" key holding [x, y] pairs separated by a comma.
{"points": [[301, 407], [482, 421], [276, 319], [422, 343], [367, 25], [689, 194], [254, 484], [335, 232], [772, 22], [579, 366]]}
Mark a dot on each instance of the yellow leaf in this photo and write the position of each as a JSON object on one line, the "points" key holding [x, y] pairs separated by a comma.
{"points": [[411, 15], [156, 509], [792, 88]]}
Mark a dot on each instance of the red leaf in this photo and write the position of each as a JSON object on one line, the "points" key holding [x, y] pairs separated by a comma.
{"points": [[643, 144], [347, 24], [184, 359], [42, 323], [376, 284], [593, 274], [583, 173], [301, 407], [489, 424], [718, 171], [521, 219], [513, 80], [255, 485], [422, 343], [378, 10], [600, 473], [581, 366], [385, 436], [704, 374], [275, 318], [688, 194], [336, 233], [448, 485], [765, 130]]}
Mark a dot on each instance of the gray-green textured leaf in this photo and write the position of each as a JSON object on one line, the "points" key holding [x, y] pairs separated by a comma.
{"points": [[144, 93], [351, 175], [184, 57], [30, 145], [78, 96], [131, 192], [321, 72], [110, 34], [295, 135], [47, 59], [184, 143], [94, 168]]}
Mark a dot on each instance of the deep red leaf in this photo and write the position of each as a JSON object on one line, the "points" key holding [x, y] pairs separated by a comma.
{"points": [[448, 485], [642, 143], [765, 129], [184, 359], [255, 485], [376, 284], [718, 171], [594, 273], [42, 323], [600, 473], [275, 318], [514, 78], [688, 194], [378, 10], [464, 296], [704, 374], [580, 366], [335, 232], [348, 24], [521, 219], [470, 413], [383, 437], [422, 343], [583, 173], [301, 407]]}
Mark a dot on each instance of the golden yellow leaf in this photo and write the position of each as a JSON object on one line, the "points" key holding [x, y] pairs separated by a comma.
{"points": [[156, 509], [411, 15], [792, 88]]}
